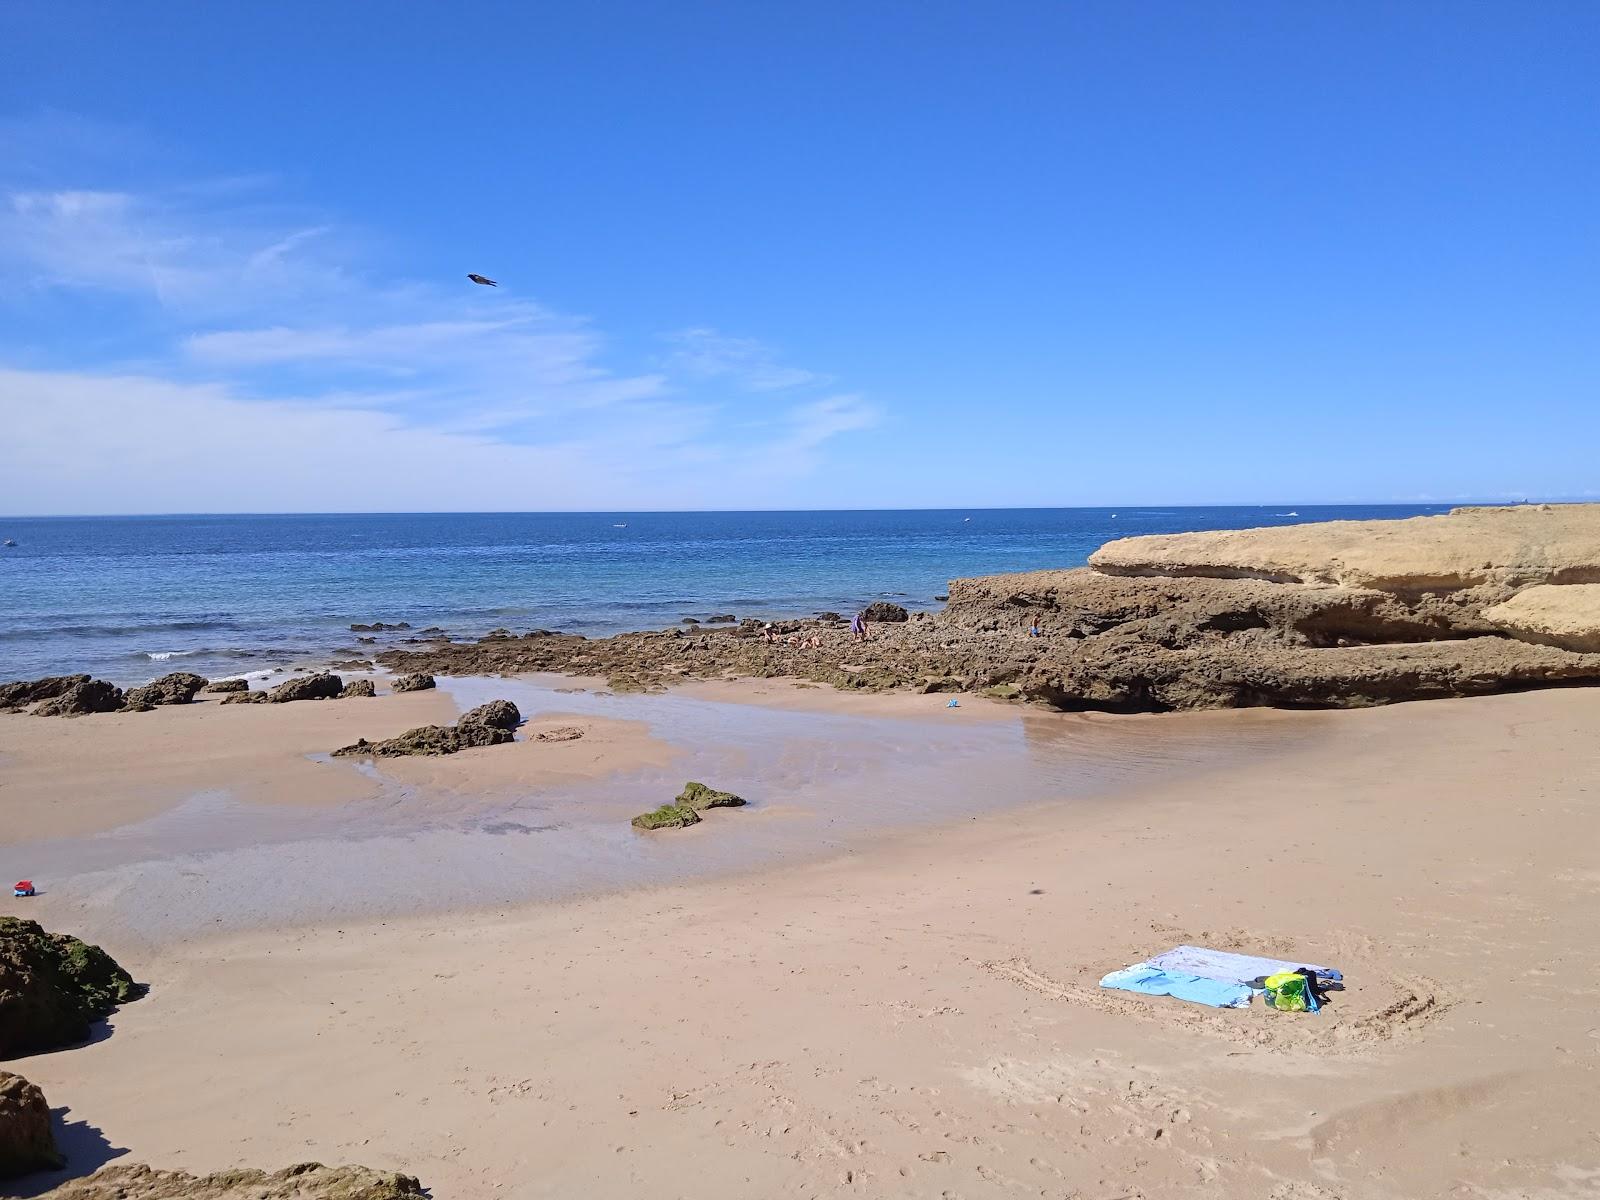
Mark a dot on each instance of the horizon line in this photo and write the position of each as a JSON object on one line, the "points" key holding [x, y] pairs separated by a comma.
{"points": [[649, 512]]}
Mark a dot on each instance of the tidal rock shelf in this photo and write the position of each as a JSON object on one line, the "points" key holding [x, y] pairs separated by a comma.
{"points": [[1332, 615]]}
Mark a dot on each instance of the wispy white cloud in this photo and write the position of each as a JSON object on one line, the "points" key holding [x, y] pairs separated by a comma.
{"points": [[703, 353], [164, 444], [261, 340], [170, 249]]}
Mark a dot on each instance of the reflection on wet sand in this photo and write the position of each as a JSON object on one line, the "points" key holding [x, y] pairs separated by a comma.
{"points": [[819, 780]]}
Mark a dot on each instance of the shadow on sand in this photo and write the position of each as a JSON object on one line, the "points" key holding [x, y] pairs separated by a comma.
{"points": [[86, 1148]]}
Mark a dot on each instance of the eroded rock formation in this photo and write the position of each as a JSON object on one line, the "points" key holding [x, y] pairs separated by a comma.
{"points": [[1323, 615], [306, 1181], [26, 1141]]}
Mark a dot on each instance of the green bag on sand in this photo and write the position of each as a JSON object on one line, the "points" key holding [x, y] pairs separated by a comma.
{"points": [[1289, 992]]}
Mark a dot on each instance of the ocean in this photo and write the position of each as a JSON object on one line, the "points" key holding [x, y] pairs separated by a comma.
{"points": [[130, 598]]}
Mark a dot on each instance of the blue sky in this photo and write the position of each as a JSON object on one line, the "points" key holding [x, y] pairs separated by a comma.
{"points": [[795, 255]]}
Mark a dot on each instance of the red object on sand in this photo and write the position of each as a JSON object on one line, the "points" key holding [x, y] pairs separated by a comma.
{"points": [[24, 888]]}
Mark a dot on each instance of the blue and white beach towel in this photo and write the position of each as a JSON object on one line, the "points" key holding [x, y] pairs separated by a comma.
{"points": [[1215, 977]]}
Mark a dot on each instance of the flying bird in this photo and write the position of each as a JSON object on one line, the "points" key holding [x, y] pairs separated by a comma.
{"points": [[483, 279]]}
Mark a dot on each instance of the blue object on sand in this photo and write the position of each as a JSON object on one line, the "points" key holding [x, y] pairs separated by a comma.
{"points": [[953, 704], [1151, 980], [1232, 968]]}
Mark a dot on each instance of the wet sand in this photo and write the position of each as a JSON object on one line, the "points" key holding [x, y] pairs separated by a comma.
{"points": [[909, 1008]]}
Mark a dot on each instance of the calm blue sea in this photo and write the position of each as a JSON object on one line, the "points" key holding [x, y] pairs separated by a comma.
{"points": [[129, 598]]}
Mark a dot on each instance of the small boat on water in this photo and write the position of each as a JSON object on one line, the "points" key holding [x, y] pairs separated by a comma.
{"points": [[624, 525], [7, 542]]}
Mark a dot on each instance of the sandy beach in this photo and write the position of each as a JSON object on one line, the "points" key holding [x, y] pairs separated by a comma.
{"points": [[912, 1010]]}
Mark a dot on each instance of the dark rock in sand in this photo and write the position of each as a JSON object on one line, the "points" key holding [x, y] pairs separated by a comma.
{"points": [[95, 696], [321, 686], [430, 741], [412, 683], [27, 1142], [721, 619], [690, 621], [560, 733], [179, 687], [883, 612], [52, 986], [358, 687], [498, 714], [228, 685], [304, 1181], [24, 692], [470, 735], [699, 797], [831, 618], [245, 697], [432, 631], [497, 635]]}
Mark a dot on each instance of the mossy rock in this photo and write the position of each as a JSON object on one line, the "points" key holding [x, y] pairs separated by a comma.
{"points": [[668, 816], [697, 797], [1002, 691], [52, 986]]}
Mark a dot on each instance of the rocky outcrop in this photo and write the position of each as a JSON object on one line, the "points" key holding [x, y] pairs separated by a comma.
{"points": [[321, 686], [245, 696], [379, 626], [92, 696], [358, 687], [412, 683], [52, 987], [1564, 615], [27, 1142], [881, 611], [1505, 548], [305, 1181], [1251, 617], [23, 692], [228, 685], [180, 687], [490, 724], [497, 714]]}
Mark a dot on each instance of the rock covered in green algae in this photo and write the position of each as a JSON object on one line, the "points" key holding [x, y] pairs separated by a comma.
{"points": [[26, 1140], [668, 816], [699, 797], [686, 809], [304, 1181], [52, 986]]}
